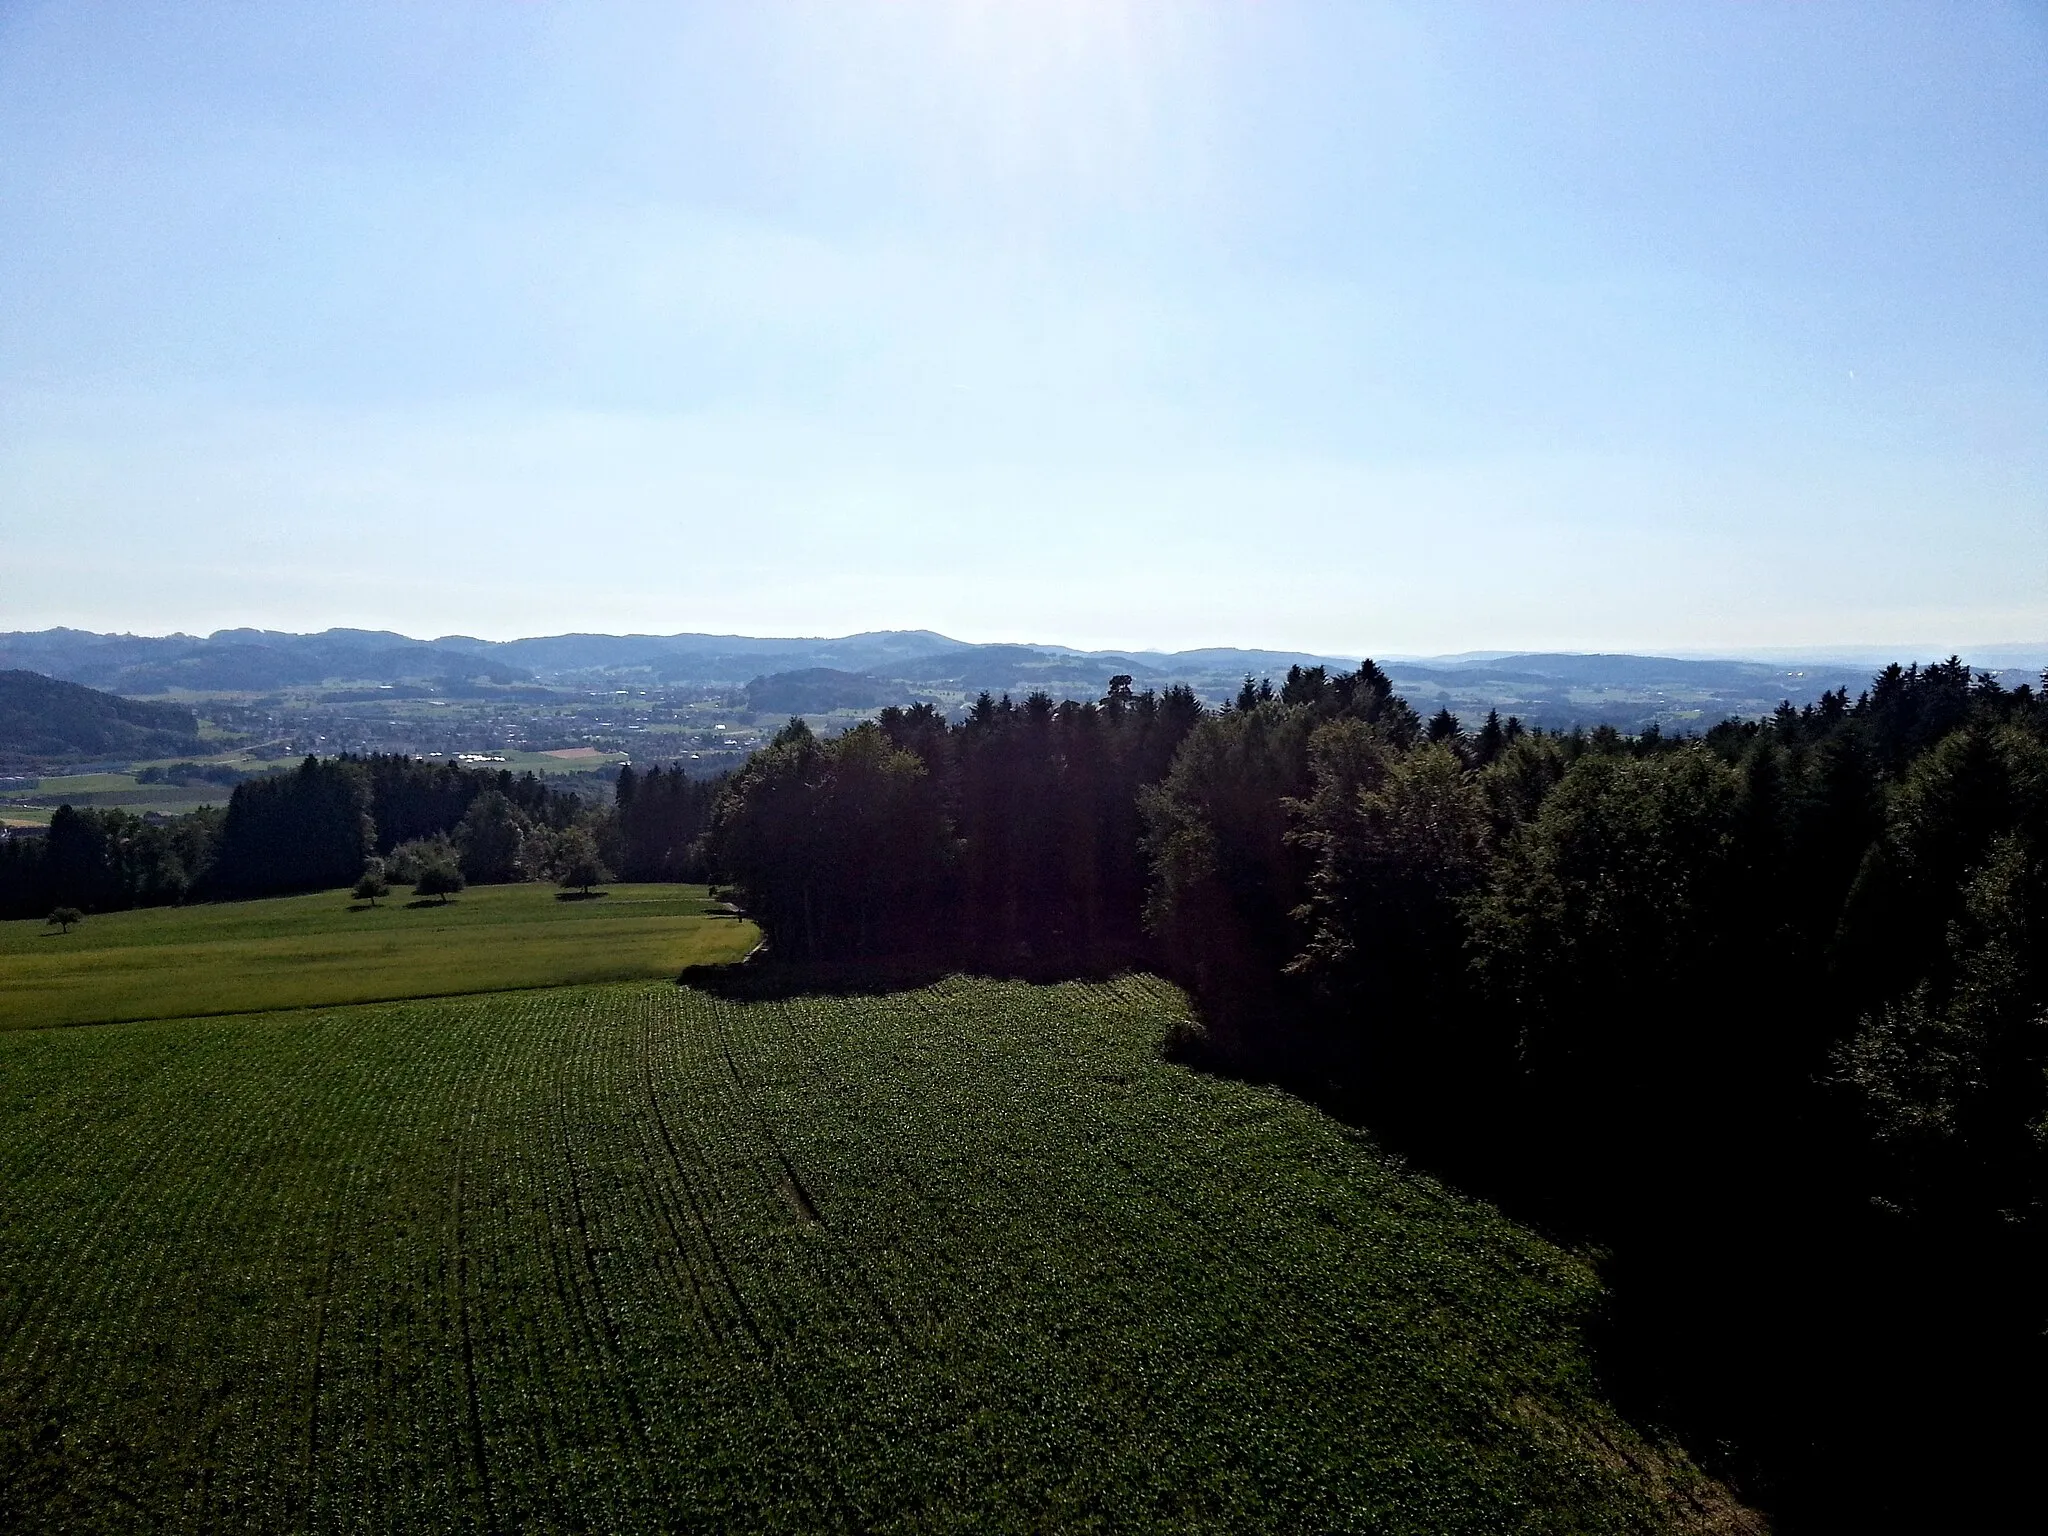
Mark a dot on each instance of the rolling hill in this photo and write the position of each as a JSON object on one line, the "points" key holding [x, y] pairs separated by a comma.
{"points": [[43, 719]]}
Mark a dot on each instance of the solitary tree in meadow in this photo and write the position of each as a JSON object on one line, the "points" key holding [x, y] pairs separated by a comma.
{"points": [[577, 863], [372, 884], [439, 879], [63, 917]]}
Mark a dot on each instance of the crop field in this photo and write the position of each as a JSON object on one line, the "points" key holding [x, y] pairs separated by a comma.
{"points": [[165, 799], [301, 951], [84, 783], [105, 791], [970, 1258]]}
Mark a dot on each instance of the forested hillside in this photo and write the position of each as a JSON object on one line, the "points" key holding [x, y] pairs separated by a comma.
{"points": [[43, 719], [819, 690]]}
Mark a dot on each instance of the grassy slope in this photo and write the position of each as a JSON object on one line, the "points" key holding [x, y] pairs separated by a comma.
{"points": [[300, 951], [84, 783], [633, 1258]]}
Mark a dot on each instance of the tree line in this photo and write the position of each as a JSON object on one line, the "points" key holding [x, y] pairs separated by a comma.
{"points": [[319, 825], [1764, 1012], [1012, 839]]}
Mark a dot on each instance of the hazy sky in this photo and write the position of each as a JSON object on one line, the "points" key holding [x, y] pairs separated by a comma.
{"points": [[1347, 327]]}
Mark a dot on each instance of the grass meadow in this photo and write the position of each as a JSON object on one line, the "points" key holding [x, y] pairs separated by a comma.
{"points": [[636, 1258], [306, 951]]}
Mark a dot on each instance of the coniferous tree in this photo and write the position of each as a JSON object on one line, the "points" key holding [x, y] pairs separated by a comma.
{"points": [[1491, 741]]}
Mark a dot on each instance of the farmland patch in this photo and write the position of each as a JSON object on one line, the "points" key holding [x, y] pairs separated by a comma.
{"points": [[325, 948], [637, 1258]]}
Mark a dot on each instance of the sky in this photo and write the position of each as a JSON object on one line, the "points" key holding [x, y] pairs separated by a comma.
{"points": [[1348, 328]]}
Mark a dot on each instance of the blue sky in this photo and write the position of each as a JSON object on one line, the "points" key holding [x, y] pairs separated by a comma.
{"points": [[1352, 328]]}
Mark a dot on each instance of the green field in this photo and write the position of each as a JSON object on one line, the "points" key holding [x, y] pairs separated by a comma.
{"points": [[638, 1258], [84, 783], [108, 791], [303, 951]]}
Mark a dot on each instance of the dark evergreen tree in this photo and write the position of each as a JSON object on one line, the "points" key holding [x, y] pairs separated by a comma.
{"points": [[1491, 741]]}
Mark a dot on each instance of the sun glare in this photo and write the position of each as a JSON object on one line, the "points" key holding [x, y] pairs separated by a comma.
{"points": [[1062, 93]]}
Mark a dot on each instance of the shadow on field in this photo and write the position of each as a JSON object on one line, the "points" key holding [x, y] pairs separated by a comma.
{"points": [[1834, 1365], [581, 895]]}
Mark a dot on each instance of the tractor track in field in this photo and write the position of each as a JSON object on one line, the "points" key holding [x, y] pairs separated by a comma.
{"points": [[808, 1414], [700, 1219], [620, 1357], [801, 1414], [669, 1217], [479, 1460], [315, 1373], [885, 1117], [849, 1274]]}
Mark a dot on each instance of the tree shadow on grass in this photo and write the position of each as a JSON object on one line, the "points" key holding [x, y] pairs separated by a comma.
{"points": [[580, 895], [1824, 1358]]}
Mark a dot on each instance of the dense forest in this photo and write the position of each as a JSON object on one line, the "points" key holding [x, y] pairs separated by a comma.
{"points": [[1762, 1015], [1012, 840]]}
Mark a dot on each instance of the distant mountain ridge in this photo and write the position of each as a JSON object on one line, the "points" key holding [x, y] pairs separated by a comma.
{"points": [[1547, 688], [245, 660]]}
